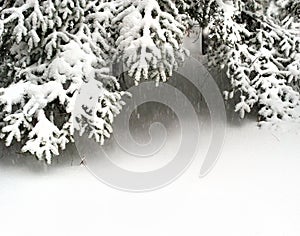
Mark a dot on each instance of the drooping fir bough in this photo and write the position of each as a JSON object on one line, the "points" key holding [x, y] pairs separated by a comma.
{"points": [[51, 48], [258, 42], [149, 37]]}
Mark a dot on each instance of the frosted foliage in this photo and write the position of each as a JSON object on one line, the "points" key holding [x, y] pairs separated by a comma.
{"points": [[51, 51], [261, 55], [203, 11], [149, 39], [54, 50]]}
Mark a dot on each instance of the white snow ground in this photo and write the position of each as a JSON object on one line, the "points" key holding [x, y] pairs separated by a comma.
{"points": [[253, 190]]}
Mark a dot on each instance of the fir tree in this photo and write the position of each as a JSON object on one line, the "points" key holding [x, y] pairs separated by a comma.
{"points": [[149, 37], [259, 47], [49, 49]]}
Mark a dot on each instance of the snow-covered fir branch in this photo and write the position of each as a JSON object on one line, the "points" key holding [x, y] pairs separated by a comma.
{"points": [[261, 56], [52, 48], [149, 38]]}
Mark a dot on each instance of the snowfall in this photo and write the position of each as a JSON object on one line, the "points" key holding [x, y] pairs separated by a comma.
{"points": [[254, 189]]}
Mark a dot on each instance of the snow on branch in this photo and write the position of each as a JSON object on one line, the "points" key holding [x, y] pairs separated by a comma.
{"points": [[52, 50], [149, 41], [261, 56]]}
